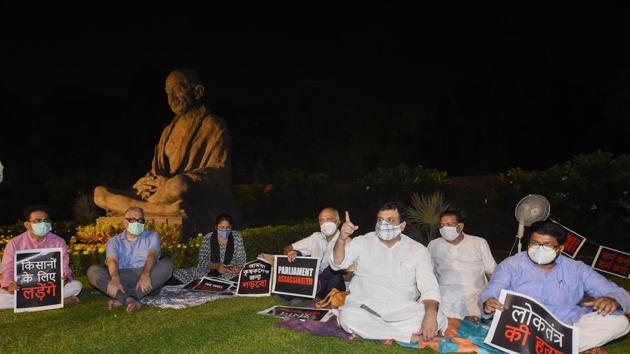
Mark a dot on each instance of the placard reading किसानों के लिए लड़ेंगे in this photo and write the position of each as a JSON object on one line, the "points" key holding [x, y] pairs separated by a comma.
{"points": [[39, 277]]}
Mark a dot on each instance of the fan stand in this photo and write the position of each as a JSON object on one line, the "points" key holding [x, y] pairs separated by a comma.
{"points": [[519, 236]]}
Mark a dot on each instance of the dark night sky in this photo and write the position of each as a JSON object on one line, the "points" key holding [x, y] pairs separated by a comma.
{"points": [[468, 88]]}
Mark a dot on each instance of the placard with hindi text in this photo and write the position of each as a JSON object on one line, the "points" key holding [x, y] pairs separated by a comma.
{"points": [[573, 243], [526, 326], [39, 277], [301, 313]]}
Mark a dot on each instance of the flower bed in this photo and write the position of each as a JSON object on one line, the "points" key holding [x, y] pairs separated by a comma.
{"points": [[87, 246]]}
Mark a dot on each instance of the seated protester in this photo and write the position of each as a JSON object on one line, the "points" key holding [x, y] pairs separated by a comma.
{"points": [[461, 263], [37, 235], [320, 245], [395, 294], [560, 283], [222, 254], [133, 268]]}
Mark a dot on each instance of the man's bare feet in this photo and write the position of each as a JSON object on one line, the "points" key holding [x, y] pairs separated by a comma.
{"points": [[354, 336], [596, 350], [133, 305], [473, 319], [112, 304], [415, 338], [388, 341], [71, 300]]}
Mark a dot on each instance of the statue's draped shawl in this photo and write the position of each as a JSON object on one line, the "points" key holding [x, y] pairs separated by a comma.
{"points": [[204, 152]]}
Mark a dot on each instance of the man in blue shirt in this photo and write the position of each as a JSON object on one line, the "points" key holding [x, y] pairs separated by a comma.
{"points": [[133, 268], [560, 283]]}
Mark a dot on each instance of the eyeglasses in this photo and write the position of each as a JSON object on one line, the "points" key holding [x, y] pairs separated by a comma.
{"points": [[135, 220], [546, 246], [37, 221], [389, 220]]}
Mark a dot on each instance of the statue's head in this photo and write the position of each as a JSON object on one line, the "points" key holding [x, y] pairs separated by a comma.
{"points": [[184, 91]]}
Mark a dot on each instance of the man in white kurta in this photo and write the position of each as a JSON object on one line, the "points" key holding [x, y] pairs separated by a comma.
{"points": [[320, 245], [394, 292], [462, 263]]}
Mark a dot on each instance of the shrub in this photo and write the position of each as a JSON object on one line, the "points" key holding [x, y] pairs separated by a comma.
{"points": [[398, 183], [584, 192], [266, 239], [100, 233]]}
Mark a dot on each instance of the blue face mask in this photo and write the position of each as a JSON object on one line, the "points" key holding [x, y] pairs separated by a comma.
{"points": [[135, 228], [224, 233], [41, 228]]}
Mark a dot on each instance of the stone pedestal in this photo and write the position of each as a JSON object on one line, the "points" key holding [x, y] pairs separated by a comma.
{"points": [[158, 220]]}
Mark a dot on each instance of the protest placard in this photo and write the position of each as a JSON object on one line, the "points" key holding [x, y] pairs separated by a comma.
{"points": [[526, 326], [39, 277], [302, 313], [573, 243], [255, 279], [297, 278], [211, 284], [612, 261]]}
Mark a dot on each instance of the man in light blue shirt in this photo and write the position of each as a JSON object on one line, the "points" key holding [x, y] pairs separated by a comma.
{"points": [[560, 283], [133, 268]]}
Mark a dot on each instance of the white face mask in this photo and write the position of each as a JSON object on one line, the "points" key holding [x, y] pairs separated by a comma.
{"points": [[386, 231], [328, 228], [449, 232], [135, 228], [541, 255], [41, 228]]}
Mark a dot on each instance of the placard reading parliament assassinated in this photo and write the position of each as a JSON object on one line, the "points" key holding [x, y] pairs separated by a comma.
{"points": [[298, 278]]}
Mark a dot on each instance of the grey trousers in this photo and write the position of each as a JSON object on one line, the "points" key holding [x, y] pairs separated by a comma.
{"points": [[99, 277]]}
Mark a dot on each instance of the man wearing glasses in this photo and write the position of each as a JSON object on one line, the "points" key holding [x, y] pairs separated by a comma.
{"points": [[560, 283], [37, 235], [133, 268], [394, 294]]}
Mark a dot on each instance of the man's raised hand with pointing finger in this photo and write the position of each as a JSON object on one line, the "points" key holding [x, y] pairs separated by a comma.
{"points": [[348, 228]]}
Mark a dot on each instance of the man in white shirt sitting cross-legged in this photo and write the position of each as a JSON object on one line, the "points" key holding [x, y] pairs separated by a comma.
{"points": [[394, 294]]}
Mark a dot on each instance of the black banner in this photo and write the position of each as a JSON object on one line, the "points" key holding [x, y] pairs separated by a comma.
{"points": [[573, 243], [525, 326], [39, 276], [298, 278], [255, 279], [211, 284], [302, 313], [612, 261]]}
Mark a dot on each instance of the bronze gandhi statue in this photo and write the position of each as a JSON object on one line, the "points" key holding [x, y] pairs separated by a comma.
{"points": [[191, 173]]}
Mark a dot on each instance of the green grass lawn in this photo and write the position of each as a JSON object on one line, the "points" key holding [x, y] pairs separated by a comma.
{"points": [[222, 326]]}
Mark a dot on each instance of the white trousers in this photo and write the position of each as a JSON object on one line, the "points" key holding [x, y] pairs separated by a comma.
{"points": [[597, 330], [72, 288], [356, 320]]}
